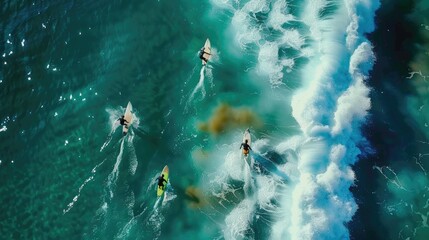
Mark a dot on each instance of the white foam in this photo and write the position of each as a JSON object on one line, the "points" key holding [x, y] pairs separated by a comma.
{"points": [[76, 197], [133, 157], [279, 15], [113, 176], [246, 32], [334, 177], [215, 56], [155, 221], [249, 185], [329, 108], [125, 231], [223, 4], [130, 201], [267, 191], [259, 191], [238, 220], [198, 88], [352, 106], [293, 39], [234, 165], [269, 64]]}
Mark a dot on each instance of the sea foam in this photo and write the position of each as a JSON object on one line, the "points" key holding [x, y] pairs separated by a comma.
{"points": [[329, 107]]}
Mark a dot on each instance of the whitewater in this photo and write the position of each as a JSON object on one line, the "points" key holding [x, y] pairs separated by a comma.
{"points": [[322, 45], [296, 73]]}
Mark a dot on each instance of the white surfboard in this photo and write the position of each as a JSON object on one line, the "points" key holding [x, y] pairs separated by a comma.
{"points": [[129, 117], [207, 51], [246, 136]]}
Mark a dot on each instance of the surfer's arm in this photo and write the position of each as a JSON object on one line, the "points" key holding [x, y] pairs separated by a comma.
{"points": [[202, 51], [241, 146]]}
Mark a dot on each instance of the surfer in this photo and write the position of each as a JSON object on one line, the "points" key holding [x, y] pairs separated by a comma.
{"points": [[202, 52], [161, 181], [245, 147], [123, 121]]}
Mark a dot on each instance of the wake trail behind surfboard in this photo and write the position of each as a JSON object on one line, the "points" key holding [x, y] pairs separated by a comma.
{"points": [[199, 87], [123, 233], [183, 98], [156, 205], [249, 184], [133, 158], [75, 198], [209, 75], [156, 218], [167, 196], [113, 176]]}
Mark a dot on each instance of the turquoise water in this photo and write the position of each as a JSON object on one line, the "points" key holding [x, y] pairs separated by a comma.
{"points": [[300, 74]]}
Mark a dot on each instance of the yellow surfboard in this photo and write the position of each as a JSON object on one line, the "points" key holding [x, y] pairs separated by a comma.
{"points": [[159, 190]]}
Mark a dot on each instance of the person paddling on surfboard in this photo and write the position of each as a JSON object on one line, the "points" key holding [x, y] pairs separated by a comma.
{"points": [[161, 181], [123, 121], [202, 52], [245, 147]]}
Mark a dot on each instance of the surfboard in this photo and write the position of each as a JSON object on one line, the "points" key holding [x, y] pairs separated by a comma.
{"points": [[160, 191], [207, 51], [129, 117], [246, 136]]}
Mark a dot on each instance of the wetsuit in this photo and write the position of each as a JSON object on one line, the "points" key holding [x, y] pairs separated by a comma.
{"points": [[161, 181], [246, 148], [122, 121], [202, 55]]}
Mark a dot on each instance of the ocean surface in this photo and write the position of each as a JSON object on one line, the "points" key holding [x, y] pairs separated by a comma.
{"points": [[335, 94]]}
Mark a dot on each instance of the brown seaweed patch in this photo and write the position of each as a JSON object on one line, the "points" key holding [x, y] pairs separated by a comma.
{"points": [[195, 197], [226, 117]]}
